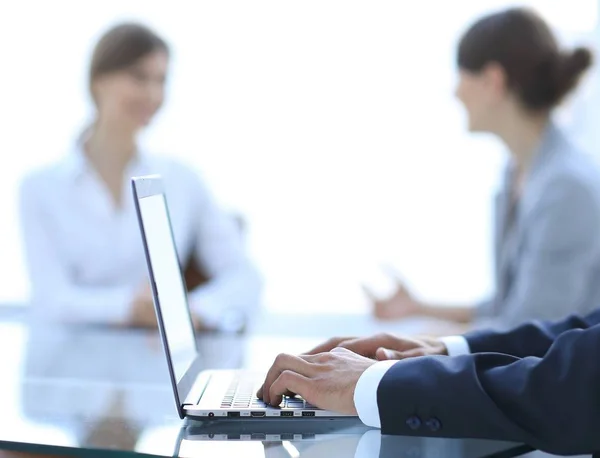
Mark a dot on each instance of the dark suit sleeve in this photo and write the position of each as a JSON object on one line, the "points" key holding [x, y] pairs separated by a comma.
{"points": [[530, 339], [550, 403]]}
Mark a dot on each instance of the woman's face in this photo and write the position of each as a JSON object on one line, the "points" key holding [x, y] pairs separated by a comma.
{"points": [[132, 96], [483, 94]]}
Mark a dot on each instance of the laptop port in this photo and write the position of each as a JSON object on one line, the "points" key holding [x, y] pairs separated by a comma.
{"points": [[258, 414], [308, 413], [233, 414], [258, 436], [287, 437], [286, 413]]}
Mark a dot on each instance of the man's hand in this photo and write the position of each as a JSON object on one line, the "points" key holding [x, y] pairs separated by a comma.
{"points": [[385, 346], [325, 380]]}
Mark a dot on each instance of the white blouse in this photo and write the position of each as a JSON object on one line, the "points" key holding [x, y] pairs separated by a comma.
{"points": [[85, 256]]}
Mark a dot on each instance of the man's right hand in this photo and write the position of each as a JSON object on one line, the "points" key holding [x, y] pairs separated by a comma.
{"points": [[385, 346]]}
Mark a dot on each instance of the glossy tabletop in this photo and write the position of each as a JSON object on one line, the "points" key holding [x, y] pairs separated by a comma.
{"points": [[92, 391]]}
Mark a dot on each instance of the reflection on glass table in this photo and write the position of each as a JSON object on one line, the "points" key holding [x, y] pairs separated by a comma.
{"points": [[323, 439], [106, 392]]}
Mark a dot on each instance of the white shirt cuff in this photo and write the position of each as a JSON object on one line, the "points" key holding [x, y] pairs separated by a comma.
{"points": [[365, 393], [456, 345]]}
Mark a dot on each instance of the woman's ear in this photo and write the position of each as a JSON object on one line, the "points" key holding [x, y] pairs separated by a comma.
{"points": [[495, 79]]}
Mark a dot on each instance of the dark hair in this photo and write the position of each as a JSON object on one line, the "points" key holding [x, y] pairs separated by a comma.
{"points": [[122, 46], [522, 43]]}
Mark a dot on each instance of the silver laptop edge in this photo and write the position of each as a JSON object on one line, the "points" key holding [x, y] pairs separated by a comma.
{"points": [[146, 187]]}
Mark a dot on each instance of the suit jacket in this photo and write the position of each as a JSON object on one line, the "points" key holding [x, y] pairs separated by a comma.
{"points": [[547, 251], [538, 384]]}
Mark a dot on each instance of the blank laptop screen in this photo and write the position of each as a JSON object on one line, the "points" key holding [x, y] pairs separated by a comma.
{"points": [[172, 298]]}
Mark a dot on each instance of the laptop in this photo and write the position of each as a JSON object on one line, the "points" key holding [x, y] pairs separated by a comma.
{"points": [[202, 394]]}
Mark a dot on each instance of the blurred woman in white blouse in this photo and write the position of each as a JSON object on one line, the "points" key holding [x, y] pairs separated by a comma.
{"points": [[82, 242]]}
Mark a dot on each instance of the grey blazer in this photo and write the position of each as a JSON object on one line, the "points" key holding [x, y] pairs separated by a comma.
{"points": [[547, 260]]}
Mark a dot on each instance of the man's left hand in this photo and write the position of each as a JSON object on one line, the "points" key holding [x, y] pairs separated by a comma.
{"points": [[325, 380]]}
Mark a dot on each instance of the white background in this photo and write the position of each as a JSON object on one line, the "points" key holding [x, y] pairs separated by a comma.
{"points": [[331, 125]]}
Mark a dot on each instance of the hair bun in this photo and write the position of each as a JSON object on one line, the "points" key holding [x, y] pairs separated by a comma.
{"points": [[578, 61], [568, 69]]}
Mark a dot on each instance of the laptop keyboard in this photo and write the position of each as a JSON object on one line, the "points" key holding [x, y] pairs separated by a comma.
{"points": [[241, 394]]}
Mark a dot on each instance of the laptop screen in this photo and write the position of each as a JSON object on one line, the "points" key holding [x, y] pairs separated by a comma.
{"points": [[172, 298]]}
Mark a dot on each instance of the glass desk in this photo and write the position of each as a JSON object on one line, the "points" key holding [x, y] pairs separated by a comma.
{"points": [[86, 391]]}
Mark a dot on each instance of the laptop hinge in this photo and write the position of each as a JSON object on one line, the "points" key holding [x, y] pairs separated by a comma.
{"points": [[197, 389]]}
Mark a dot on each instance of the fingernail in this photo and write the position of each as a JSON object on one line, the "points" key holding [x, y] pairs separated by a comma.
{"points": [[389, 354]]}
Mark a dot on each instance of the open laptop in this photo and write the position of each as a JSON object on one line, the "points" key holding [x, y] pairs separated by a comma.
{"points": [[214, 394]]}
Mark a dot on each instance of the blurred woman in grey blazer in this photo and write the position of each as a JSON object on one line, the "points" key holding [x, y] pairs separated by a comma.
{"points": [[547, 239]]}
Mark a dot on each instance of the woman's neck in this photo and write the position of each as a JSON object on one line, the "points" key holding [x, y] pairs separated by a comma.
{"points": [[110, 150], [522, 136]]}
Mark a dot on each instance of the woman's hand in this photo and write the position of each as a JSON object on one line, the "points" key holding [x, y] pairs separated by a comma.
{"points": [[142, 309], [400, 305]]}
